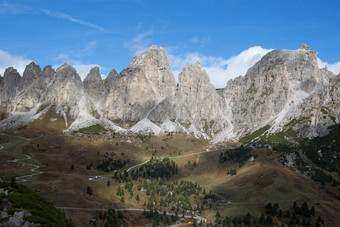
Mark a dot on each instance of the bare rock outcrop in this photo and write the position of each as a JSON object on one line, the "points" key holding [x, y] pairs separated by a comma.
{"points": [[94, 85], [197, 104], [273, 89], [284, 86], [140, 87], [10, 86]]}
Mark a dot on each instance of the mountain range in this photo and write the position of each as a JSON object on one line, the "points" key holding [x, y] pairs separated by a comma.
{"points": [[283, 91]]}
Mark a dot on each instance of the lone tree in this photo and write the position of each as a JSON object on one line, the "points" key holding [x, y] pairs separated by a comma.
{"points": [[89, 190], [12, 182]]}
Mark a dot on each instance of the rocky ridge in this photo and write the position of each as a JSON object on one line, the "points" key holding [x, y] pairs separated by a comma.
{"points": [[285, 85]]}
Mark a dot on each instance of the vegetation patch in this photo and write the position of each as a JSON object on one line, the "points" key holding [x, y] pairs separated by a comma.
{"points": [[286, 137], [93, 129], [43, 212], [324, 151], [240, 154], [110, 162], [251, 136]]}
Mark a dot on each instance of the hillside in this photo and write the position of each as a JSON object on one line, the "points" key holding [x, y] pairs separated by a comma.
{"points": [[21, 206]]}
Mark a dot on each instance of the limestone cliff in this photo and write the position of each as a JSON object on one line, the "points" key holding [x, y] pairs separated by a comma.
{"points": [[285, 86]]}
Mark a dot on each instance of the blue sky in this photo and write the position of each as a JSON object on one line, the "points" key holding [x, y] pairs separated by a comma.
{"points": [[227, 36]]}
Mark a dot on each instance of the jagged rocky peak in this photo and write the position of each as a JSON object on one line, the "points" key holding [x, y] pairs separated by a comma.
{"points": [[197, 102], [65, 89], [109, 80], [94, 85], [141, 86], [10, 82], [48, 71], [153, 56], [304, 47], [32, 72], [67, 72], [155, 66], [93, 76], [273, 88], [193, 74], [11, 77], [297, 67]]}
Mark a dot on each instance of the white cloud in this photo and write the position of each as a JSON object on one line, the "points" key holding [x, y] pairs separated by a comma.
{"points": [[200, 40], [140, 42], [219, 69], [10, 8], [72, 19], [83, 70], [8, 60], [334, 68]]}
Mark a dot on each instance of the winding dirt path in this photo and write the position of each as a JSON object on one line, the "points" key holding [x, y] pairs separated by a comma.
{"points": [[34, 169], [25, 178]]}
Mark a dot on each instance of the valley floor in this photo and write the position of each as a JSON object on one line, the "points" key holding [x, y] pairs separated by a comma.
{"points": [[62, 168]]}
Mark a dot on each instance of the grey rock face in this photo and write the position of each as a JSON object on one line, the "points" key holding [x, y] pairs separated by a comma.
{"points": [[139, 88], [284, 85], [109, 80], [32, 87], [197, 102], [65, 91], [94, 85], [320, 110], [272, 89], [10, 86], [32, 71]]}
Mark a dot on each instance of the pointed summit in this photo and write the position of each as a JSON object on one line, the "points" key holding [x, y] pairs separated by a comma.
{"points": [[32, 72], [11, 77], [304, 47], [198, 64], [93, 76], [94, 85], [109, 80], [151, 56]]}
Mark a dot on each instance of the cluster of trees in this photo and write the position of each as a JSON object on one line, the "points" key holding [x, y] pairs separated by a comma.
{"points": [[154, 169], [160, 217], [328, 145], [175, 195], [240, 154], [235, 221], [316, 174], [112, 218], [163, 168], [194, 164], [110, 162], [298, 215]]}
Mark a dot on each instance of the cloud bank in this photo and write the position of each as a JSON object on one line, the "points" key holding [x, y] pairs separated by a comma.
{"points": [[219, 69], [8, 60], [334, 68], [72, 19], [20, 63]]}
